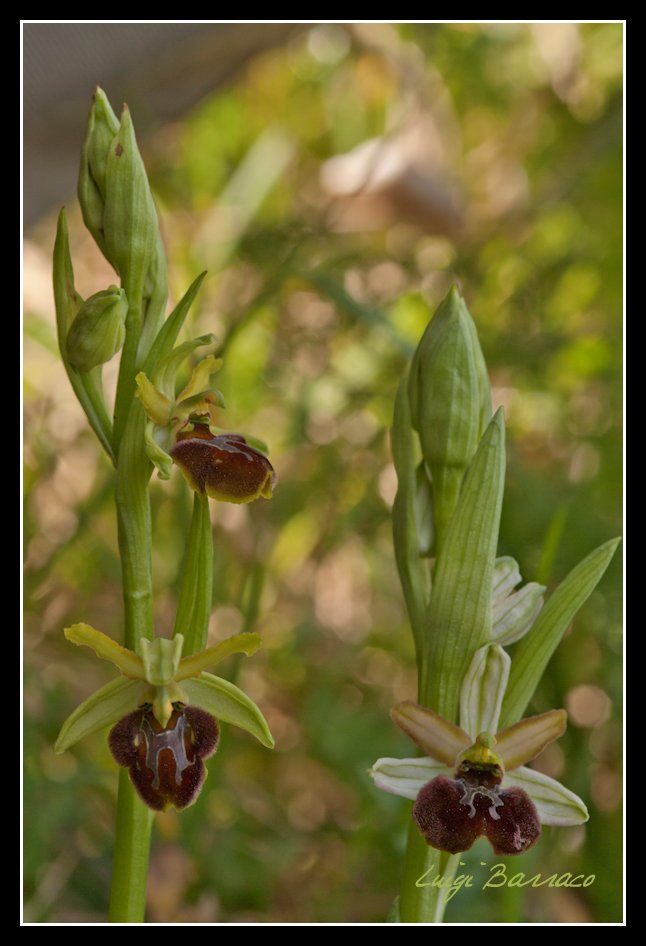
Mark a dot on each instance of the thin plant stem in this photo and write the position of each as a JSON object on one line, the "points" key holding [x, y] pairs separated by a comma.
{"points": [[134, 819]]}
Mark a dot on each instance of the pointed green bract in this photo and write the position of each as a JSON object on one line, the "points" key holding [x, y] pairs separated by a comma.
{"points": [[413, 572], [459, 618], [104, 708], [229, 704], [196, 589], [167, 334], [87, 387], [535, 649]]}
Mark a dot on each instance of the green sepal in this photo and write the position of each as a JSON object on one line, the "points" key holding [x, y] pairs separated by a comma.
{"points": [[228, 703], [105, 707], [459, 618], [534, 651]]}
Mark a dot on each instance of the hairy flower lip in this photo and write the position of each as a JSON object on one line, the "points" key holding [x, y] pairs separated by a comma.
{"points": [[462, 791], [224, 466], [165, 762]]}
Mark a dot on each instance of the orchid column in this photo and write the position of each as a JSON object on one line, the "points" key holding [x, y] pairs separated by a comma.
{"points": [[471, 779]]}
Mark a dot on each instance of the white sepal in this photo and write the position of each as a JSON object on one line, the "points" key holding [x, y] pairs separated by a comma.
{"points": [[555, 803], [406, 777]]}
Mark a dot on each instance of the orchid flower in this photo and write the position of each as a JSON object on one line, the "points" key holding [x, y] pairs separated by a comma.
{"points": [[471, 782], [163, 710]]}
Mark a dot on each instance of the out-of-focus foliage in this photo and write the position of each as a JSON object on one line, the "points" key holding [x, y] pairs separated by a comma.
{"points": [[497, 164]]}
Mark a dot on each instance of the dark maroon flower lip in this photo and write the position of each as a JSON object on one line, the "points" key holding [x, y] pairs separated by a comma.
{"points": [[165, 763], [452, 813], [225, 466]]}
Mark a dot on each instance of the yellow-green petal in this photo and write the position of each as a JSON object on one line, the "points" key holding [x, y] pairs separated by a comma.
{"points": [[199, 380], [104, 647], [193, 665]]}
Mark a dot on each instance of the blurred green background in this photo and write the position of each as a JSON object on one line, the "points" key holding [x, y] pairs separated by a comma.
{"points": [[334, 192]]}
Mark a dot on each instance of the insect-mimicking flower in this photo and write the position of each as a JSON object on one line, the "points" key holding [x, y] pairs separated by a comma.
{"points": [[163, 711], [465, 789], [225, 466]]}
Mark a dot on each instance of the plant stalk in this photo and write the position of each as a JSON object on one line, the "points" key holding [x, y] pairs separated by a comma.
{"points": [[134, 820]]}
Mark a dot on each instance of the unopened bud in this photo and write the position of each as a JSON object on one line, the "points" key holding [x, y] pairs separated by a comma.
{"points": [[102, 127], [450, 401], [98, 331]]}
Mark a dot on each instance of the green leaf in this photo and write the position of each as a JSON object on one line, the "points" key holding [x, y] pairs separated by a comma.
{"points": [[533, 652], [228, 703], [104, 708], [167, 335], [459, 616]]}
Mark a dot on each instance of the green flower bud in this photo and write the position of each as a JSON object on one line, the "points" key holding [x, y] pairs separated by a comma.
{"points": [[98, 331], [102, 128], [129, 218], [450, 401]]}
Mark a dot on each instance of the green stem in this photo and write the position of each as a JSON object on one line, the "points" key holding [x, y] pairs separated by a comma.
{"points": [[426, 880], [133, 521], [130, 864], [134, 820]]}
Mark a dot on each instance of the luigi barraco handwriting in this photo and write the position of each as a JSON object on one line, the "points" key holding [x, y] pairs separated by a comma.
{"points": [[498, 877]]}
